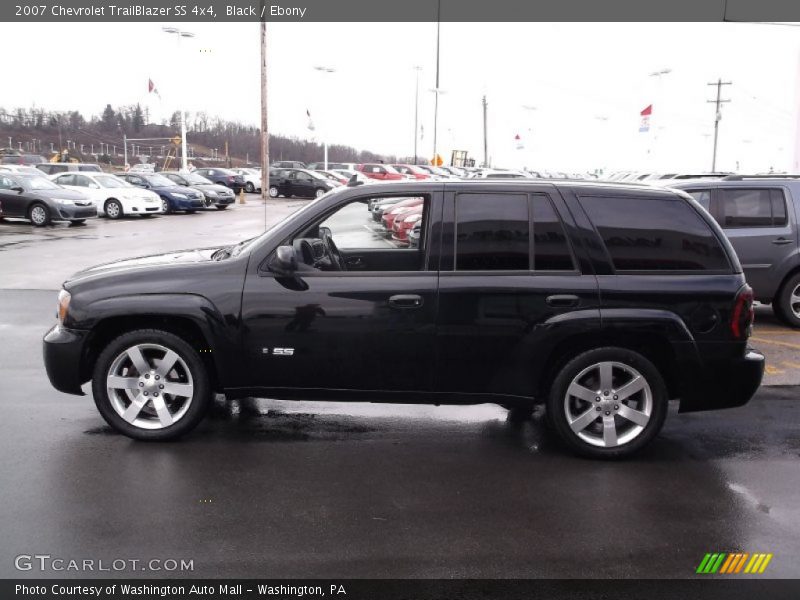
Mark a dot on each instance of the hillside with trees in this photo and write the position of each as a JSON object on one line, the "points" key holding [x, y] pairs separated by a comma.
{"points": [[100, 137]]}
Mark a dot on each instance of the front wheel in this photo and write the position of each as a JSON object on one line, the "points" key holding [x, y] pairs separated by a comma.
{"points": [[320, 192], [113, 209], [249, 187], [273, 191], [39, 215], [165, 206], [786, 305], [607, 403], [151, 385]]}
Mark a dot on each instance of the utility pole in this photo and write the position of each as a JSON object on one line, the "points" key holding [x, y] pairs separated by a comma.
{"points": [[125, 144], [416, 113], [717, 117], [485, 142], [436, 105], [264, 124]]}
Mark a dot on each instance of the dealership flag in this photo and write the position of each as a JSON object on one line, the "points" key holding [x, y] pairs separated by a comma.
{"points": [[310, 122], [151, 87], [644, 124]]}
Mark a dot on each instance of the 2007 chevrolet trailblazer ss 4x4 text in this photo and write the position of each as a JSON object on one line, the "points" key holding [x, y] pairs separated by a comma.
{"points": [[601, 301]]}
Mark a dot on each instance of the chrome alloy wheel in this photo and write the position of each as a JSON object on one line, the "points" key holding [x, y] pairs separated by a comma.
{"points": [[608, 404], [794, 302], [150, 386]]}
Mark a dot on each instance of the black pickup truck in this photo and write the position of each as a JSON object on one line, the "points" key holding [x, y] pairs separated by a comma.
{"points": [[600, 301]]}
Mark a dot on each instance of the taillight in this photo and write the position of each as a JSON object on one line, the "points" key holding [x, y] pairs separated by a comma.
{"points": [[743, 313]]}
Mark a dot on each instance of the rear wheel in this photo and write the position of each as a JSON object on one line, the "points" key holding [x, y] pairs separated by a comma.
{"points": [[607, 403], [249, 187], [165, 206], [319, 192], [151, 385], [786, 305], [113, 209], [273, 191], [39, 215]]}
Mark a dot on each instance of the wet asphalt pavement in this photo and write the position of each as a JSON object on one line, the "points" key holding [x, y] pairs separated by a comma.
{"points": [[277, 489]]}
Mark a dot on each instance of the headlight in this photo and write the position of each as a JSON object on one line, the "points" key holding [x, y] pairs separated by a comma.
{"points": [[63, 304], [184, 196], [67, 202], [211, 193]]}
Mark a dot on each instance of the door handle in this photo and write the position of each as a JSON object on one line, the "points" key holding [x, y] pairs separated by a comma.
{"points": [[405, 301], [562, 300], [781, 241], [355, 261]]}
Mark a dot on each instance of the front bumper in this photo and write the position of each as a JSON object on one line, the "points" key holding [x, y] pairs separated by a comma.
{"points": [[63, 349], [722, 384], [187, 203], [68, 212]]}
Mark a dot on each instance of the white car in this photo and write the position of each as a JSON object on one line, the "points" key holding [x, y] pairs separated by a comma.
{"points": [[252, 180], [114, 197]]}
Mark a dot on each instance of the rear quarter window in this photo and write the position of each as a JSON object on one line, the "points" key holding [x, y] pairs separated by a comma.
{"points": [[764, 207], [651, 233]]}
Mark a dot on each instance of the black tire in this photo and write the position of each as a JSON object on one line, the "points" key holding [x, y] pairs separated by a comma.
{"points": [[782, 304], [557, 400], [222, 206], [39, 214], [273, 192], [198, 405], [113, 209], [249, 187], [165, 207], [319, 192]]}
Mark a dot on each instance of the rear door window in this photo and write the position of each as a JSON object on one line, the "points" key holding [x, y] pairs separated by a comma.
{"points": [[655, 234], [764, 207], [492, 232]]}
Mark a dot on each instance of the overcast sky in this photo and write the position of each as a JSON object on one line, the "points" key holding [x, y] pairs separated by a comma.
{"points": [[587, 81]]}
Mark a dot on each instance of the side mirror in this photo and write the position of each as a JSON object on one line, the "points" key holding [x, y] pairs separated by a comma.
{"points": [[285, 261], [18, 189]]}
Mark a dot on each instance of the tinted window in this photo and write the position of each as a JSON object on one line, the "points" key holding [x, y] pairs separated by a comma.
{"points": [[703, 197], [492, 232], [752, 208], [550, 247], [655, 234]]}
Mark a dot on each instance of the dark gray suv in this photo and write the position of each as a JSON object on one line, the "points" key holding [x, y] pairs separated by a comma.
{"points": [[760, 217]]}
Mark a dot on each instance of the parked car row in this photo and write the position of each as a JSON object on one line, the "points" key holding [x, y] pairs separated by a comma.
{"points": [[75, 195]]}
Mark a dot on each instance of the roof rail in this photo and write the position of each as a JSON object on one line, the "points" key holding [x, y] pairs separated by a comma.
{"points": [[768, 176]]}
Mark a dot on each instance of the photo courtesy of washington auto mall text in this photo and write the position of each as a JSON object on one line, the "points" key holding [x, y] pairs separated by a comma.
{"points": [[400, 300]]}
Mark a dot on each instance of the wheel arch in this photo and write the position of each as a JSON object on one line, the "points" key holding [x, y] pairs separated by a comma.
{"points": [[191, 318], [647, 341]]}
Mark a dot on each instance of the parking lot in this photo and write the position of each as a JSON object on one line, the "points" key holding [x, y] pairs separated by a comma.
{"points": [[365, 490]]}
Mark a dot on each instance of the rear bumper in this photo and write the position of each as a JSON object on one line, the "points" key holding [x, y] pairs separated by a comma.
{"points": [[63, 349], [723, 384]]}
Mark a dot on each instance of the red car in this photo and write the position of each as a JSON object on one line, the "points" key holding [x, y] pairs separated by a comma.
{"points": [[414, 171], [400, 208], [404, 222], [382, 172]]}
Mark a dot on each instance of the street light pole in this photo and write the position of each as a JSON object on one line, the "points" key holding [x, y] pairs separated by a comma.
{"points": [[416, 112], [325, 122], [436, 102], [264, 122], [181, 34]]}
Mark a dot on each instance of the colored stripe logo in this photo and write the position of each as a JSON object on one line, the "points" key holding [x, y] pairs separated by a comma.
{"points": [[734, 563]]}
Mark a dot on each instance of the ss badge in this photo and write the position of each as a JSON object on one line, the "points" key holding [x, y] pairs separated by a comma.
{"points": [[279, 351]]}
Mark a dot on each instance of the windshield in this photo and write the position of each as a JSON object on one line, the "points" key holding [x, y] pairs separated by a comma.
{"points": [[32, 182], [316, 175], [197, 179], [159, 181], [108, 181]]}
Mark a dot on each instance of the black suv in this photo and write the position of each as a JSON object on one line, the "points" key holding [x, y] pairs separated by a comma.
{"points": [[600, 301]]}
